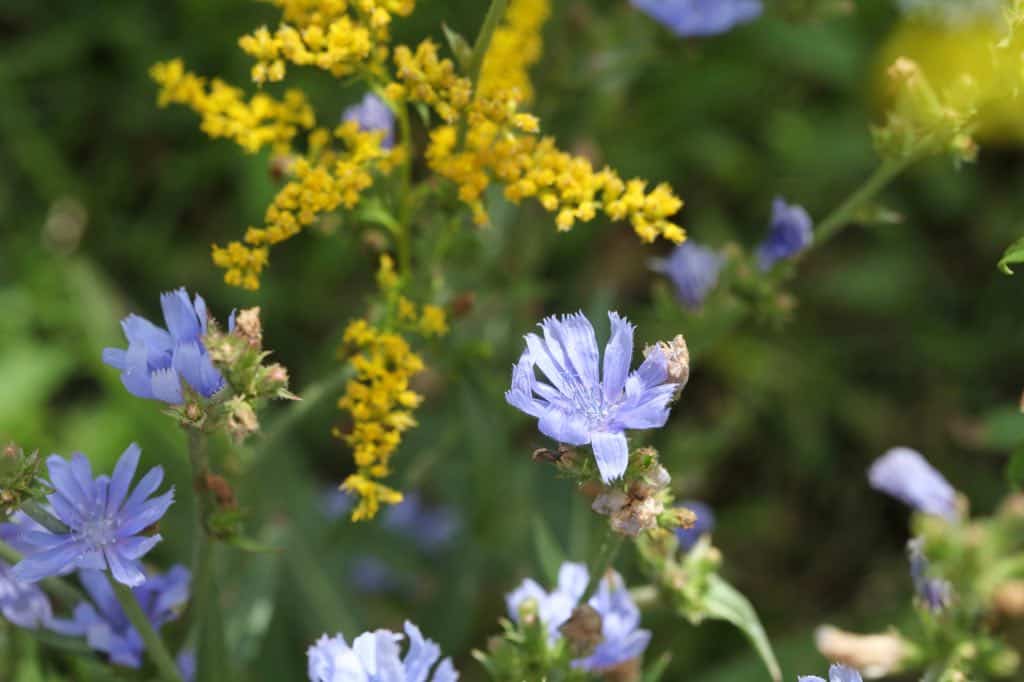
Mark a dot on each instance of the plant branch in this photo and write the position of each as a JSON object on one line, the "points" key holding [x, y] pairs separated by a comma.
{"points": [[483, 40], [155, 646], [602, 562], [846, 213]]}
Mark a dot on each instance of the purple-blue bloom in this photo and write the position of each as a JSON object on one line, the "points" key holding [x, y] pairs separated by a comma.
{"points": [[375, 657], [371, 575], [935, 593], [104, 624], [157, 360], [582, 403], [372, 113], [336, 503], [836, 673], [705, 523], [621, 638], [693, 270], [790, 233], [104, 521], [553, 608], [23, 604], [688, 18], [431, 528], [906, 475]]}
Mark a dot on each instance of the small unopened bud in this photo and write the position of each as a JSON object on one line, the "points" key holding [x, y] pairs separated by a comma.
{"points": [[583, 630], [1008, 598], [242, 420], [638, 516], [249, 327], [10, 451], [463, 304], [678, 517], [655, 480], [222, 491], [677, 355], [875, 655], [193, 412], [609, 502], [528, 612]]}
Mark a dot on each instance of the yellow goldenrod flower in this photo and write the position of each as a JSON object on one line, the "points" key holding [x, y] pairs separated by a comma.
{"points": [[515, 47], [378, 399]]}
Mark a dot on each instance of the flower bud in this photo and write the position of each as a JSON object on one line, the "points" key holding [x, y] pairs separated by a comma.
{"points": [[583, 630], [637, 516], [677, 356], [249, 327], [877, 655]]}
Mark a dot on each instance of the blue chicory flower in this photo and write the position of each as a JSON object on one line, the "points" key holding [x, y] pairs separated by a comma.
{"points": [[688, 18], [372, 113], [553, 608], [374, 657], [580, 403], [105, 625], [934, 593], [836, 673], [621, 639], [22, 604], [186, 661], [693, 270], [157, 359], [791, 231], [705, 523], [906, 475], [104, 522], [431, 528]]}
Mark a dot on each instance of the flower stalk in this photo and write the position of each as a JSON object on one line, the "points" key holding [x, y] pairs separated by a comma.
{"points": [[154, 643], [847, 211]]}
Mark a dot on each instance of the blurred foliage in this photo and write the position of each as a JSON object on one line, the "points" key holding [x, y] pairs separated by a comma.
{"points": [[902, 333]]}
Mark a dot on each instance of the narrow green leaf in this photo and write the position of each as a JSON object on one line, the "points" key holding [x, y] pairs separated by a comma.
{"points": [[460, 47], [657, 669], [725, 602], [1014, 254], [1015, 469], [549, 553]]}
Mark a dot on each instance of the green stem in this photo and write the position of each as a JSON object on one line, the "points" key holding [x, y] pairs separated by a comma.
{"points": [[44, 518], [846, 213], [603, 561], [155, 646], [483, 40], [404, 232]]}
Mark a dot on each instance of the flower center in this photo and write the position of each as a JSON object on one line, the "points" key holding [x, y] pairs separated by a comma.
{"points": [[98, 532]]}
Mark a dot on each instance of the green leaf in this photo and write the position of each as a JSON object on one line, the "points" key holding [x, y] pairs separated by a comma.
{"points": [[1015, 469], [725, 602], [657, 669], [1014, 254], [549, 553], [460, 47]]}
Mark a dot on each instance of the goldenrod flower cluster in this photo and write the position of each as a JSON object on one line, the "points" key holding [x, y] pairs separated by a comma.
{"points": [[225, 112], [380, 402], [515, 47], [338, 36]]}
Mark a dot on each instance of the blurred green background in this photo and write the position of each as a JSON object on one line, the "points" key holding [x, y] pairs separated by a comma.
{"points": [[902, 334]]}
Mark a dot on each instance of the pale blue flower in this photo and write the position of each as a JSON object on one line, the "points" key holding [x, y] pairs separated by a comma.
{"points": [[693, 270], [935, 593], [791, 231], [906, 475], [705, 523], [22, 604], [836, 673], [621, 638], [375, 657], [105, 625], [555, 607], [580, 403], [372, 113], [157, 360], [105, 523], [688, 18]]}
